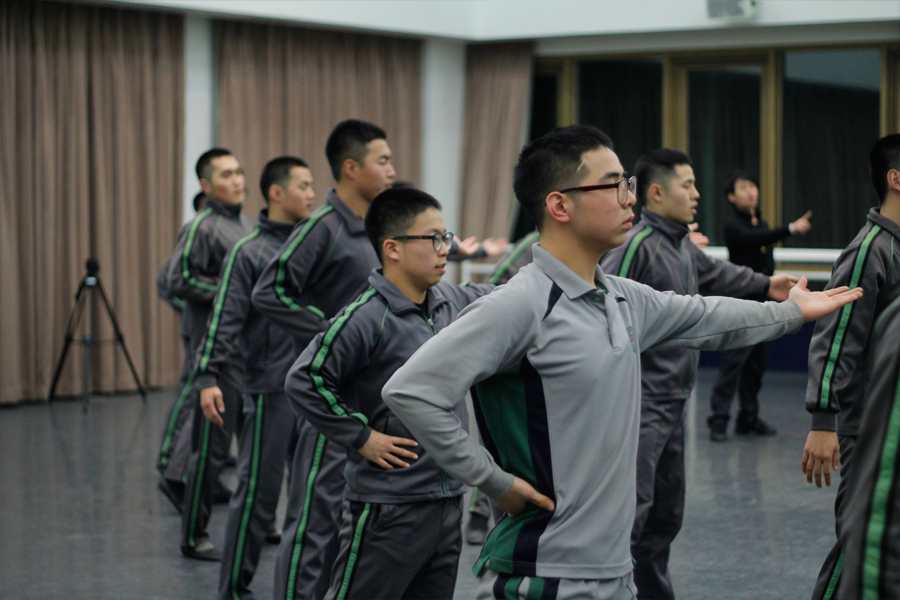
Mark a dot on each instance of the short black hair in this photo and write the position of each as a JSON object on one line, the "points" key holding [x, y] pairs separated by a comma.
{"points": [[278, 171], [204, 166], [552, 163], [393, 212], [657, 166], [739, 174], [885, 155], [198, 201], [349, 140]]}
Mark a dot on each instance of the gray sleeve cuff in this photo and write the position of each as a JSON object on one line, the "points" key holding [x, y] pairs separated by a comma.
{"points": [[823, 421], [497, 483], [206, 380], [363, 437]]}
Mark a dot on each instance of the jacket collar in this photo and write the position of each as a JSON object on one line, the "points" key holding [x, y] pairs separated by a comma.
{"points": [[227, 210], [885, 223], [668, 228], [355, 225], [397, 302], [269, 226]]}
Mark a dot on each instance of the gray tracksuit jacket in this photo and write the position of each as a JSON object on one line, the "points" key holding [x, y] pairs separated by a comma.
{"points": [[841, 347], [519, 257], [322, 266], [266, 349], [336, 384], [870, 532], [556, 372], [657, 252], [196, 264]]}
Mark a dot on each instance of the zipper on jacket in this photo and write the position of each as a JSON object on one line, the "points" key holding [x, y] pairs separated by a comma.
{"points": [[430, 322], [443, 485]]}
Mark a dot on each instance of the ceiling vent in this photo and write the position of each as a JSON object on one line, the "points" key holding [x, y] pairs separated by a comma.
{"points": [[732, 11]]}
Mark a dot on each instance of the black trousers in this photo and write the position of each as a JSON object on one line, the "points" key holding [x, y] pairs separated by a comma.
{"points": [[740, 369], [660, 496], [210, 446], [398, 551], [175, 448], [830, 575]]}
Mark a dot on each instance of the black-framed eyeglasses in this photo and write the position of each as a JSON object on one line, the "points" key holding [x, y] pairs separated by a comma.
{"points": [[437, 240], [623, 186]]}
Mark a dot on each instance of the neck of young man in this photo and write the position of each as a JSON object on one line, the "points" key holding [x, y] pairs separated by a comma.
{"points": [[580, 257], [416, 293], [278, 215], [350, 196], [890, 208]]}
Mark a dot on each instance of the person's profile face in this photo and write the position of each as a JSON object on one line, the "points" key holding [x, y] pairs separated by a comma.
{"points": [[299, 194], [598, 219], [745, 196], [226, 184], [376, 173], [417, 258], [679, 196]]}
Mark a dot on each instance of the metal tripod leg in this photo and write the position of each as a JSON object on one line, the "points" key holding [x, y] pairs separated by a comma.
{"points": [[74, 318], [120, 339]]}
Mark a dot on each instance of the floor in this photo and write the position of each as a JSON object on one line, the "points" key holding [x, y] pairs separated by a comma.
{"points": [[80, 516]]}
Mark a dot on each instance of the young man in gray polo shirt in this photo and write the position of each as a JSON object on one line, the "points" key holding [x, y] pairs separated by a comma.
{"points": [[553, 356]]}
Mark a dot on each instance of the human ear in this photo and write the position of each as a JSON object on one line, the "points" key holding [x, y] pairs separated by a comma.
{"points": [[559, 207], [655, 193], [893, 179], [390, 249]]}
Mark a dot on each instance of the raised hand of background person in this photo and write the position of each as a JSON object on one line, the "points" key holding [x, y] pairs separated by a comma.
{"points": [[802, 225], [495, 246], [384, 450], [821, 454], [698, 239], [519, 496], [213, 405], [816, 305], [467, 246], [780, 286]]}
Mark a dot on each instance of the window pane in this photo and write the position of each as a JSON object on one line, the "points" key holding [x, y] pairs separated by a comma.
{"points": [[624, 99], [723, 118], [831, 120]]}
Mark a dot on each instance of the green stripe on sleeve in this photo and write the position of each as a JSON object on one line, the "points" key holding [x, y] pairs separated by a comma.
{"points": [[220, 300], [354, 552], [632, 250], [185, 256], [881, 497], [504, 265], [828, 371], [281, 271], [315, 368]]}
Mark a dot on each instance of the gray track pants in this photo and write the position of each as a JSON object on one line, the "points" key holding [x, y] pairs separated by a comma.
{"points": [[830, 574], [210, 445], [270, 425], [660, 496], [390, 551], [309, 542], [175, 448]]}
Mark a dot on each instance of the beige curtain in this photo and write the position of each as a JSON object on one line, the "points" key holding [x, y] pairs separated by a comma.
{"points": [[91, 121], [498, 89], [282, 90]]}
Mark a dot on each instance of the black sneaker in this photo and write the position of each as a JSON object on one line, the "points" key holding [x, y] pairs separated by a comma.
{"points": [[202, 551], [757, 427], [273, 537], [476, 529], [718, 435]]}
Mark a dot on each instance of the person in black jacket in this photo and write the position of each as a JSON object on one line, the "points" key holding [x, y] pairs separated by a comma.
{"points": [[749, 239]]}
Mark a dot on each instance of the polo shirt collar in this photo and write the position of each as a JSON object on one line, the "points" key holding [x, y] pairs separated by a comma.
{"points": [[571, 284]]}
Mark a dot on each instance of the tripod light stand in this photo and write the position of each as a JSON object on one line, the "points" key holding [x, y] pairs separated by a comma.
{"points": [[90, 286]]}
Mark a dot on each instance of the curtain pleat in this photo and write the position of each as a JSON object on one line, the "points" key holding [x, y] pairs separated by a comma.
{"points": [[91, 127], [498, 87], [283, 89]]}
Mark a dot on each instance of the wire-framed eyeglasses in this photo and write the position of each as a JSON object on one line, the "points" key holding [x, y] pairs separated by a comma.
{"points": [[623, 186], [437, 240]]}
